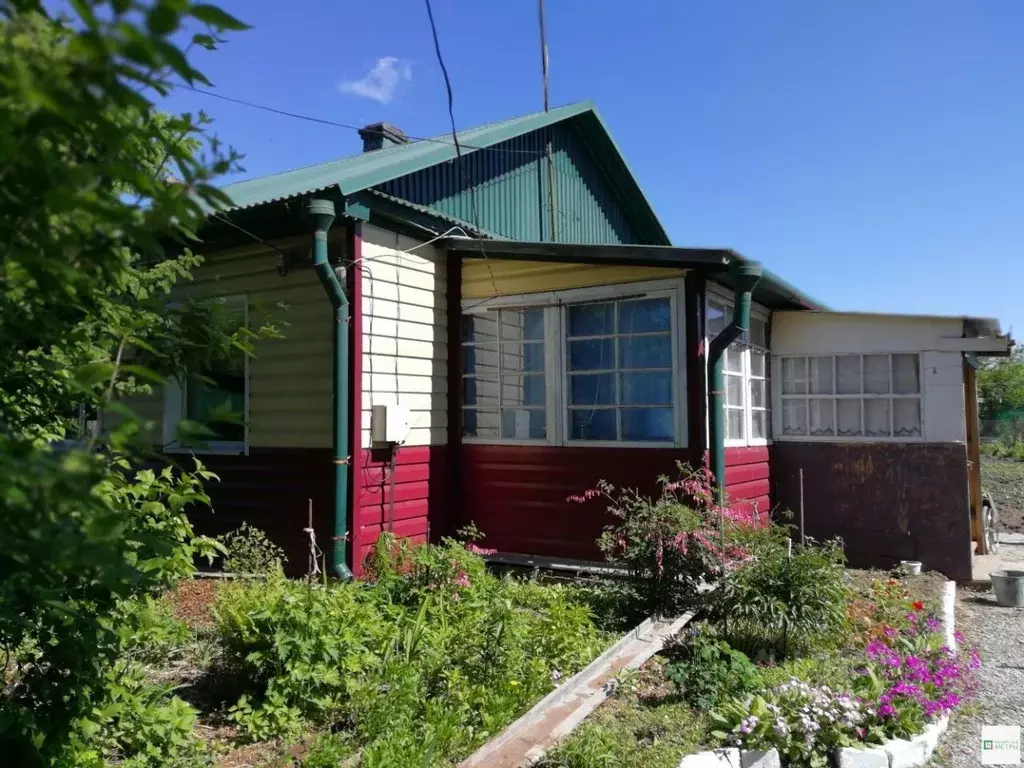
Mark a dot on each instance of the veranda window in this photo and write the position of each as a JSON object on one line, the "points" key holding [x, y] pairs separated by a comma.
{"points": [[746, 376]]}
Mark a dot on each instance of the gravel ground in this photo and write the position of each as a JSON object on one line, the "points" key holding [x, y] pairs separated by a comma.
{"points": [[998, 634]]}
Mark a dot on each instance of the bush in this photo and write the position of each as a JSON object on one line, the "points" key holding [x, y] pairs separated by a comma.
{"points": [[708, 670], [669, 546], [248, 552], [425, 664], [780, 604]]}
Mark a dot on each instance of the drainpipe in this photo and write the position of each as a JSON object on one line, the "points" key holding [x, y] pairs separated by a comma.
{"points": [[745, 276], [321, 212]]}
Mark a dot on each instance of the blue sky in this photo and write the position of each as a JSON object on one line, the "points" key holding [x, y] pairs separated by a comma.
{"points": [[872, 153]]}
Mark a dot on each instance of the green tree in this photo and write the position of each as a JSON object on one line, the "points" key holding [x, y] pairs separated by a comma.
{"points": [[1001, 384], [93, 238]]}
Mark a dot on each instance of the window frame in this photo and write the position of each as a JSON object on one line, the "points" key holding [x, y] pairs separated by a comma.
{"points": [[762, 313], [176, 392], [555, 304], [778, 398]]}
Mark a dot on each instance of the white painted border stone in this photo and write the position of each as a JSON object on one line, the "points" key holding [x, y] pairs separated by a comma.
{"points": [[715, 758], [948, 612]]}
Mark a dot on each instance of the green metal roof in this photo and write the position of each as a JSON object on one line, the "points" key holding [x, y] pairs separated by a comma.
{"points": [[369, 169]]}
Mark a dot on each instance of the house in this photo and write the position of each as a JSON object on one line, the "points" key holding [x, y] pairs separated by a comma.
{"points": [[489, 356]]}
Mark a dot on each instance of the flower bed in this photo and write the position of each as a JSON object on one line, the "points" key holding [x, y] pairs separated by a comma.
{"points": [[886, 676]]}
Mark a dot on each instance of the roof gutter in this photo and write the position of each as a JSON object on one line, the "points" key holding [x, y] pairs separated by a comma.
{"points": [[746, 275], [322, 214]]}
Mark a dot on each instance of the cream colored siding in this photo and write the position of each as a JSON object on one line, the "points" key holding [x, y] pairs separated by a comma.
{"points": [[290, 379], [487, 278], [405, 336], [836, 333]]}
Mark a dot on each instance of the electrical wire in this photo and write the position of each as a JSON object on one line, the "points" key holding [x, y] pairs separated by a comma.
{"points": [[348, 126]]}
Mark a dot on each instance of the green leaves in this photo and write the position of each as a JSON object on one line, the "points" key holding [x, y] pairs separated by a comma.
{"points": [[217, 18]]}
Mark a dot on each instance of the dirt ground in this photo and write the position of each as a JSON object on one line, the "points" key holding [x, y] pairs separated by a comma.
{"points": [[1004, 480]]}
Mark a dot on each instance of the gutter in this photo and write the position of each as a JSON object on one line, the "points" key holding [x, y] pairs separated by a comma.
{"points": [[745, 276], [322, 214]]}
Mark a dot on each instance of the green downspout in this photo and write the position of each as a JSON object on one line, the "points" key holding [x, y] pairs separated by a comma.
{"points": [[745, 276], [321, 213]]}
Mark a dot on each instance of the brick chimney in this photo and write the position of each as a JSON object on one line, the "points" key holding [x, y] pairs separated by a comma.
{"points": [[381, 136]]}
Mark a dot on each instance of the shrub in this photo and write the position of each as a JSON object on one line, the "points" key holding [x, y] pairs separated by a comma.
{"points": [[708, 670], [669, 546], [149, 630], [248, 552], [780, 604], [328, 750]]}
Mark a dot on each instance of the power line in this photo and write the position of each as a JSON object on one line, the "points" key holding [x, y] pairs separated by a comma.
{"points": [[323, 121]]}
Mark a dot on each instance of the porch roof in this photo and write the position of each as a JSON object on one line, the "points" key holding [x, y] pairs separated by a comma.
{"points": [[772, 291]]}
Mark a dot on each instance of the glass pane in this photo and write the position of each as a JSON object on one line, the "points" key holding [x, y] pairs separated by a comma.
{"points": [[848, 374], [734, 358], [648, 424], [533, 357], [219, 404], [734, 424], [821, 419], [906, 416], [906, 376], [476, 423], [758, 363], [480, 391], [820, 375], [480, 359], [734, 390], [759, 425], [523, 425], [876, 418], [758, 332], [592, 389], [876, 374], [758, 394], [715, 319], [643, 315], [592, 355], [645, 351], [794, 417], [519, 324], [522, 390], [591, 319], [647, 388], [592, 425], [848, 417], [794, 377], [479, 328]]}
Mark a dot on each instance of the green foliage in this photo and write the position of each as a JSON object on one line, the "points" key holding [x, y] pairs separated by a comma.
{"points": [[708, 670], [782, 604], [1004, 449], [1001, 385], [424, 665], [148, 630], [248, 552], [328, 750]]}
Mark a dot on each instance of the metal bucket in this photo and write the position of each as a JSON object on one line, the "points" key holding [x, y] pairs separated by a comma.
{"points": [[1009, 588]]}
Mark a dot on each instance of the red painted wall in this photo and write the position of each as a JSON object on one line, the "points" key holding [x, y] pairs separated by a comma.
{"points": [[747, 478]]}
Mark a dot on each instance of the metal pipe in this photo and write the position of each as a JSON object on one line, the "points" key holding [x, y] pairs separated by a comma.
{"points": [[745, 276], [321, 213]]}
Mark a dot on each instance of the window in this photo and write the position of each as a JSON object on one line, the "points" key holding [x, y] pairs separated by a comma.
{"points": [[746, 376], [583, 366], [503, 382], [860, 396], [217, 398]]}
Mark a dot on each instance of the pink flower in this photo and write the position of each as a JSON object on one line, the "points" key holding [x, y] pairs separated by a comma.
{"points": [[474, 549], [462, 580]]}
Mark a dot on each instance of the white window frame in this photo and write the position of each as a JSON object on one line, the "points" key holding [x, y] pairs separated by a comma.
{"points": [[778, 397], [175, 391], [719, 296], [556, 374]]}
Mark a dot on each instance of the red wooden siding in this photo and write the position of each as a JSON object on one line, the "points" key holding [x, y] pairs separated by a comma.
{"points": [[517, 494], [747, 478], [418, 490]]}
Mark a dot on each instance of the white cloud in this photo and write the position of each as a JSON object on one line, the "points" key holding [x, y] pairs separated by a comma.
{"points": [[381, 82]]}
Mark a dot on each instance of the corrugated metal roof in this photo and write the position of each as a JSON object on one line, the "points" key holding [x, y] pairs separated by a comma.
{"points": [[367, 169], [426, 210]]}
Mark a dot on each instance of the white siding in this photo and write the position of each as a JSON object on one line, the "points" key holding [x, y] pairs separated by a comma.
{"points": [[833, 333], [405, 336]]}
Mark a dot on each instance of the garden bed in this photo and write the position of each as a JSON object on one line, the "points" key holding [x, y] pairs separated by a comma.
{"points": [[876, 676]]}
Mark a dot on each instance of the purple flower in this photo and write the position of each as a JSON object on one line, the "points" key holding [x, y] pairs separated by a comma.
{"points": [[748, 724], [958, 636], [886, 710], [911, 617], [932, 624]]}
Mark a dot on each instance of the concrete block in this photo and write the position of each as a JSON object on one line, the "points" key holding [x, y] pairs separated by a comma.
{"points": [[760, 758], [855, 757], [906, 754], [717, 758], [929, 738]]}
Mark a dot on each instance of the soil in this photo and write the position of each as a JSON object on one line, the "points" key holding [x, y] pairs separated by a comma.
{"points": [[1003, 479], [192, 601]]}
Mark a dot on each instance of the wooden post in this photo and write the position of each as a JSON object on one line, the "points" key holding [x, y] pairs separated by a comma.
{"points": [[974, 456], [803, 536]]}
